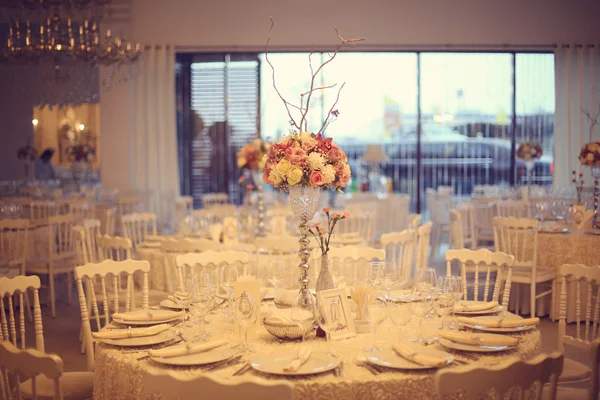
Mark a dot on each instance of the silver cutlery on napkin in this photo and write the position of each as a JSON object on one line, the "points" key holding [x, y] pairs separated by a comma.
{"points": [[224, 364]]}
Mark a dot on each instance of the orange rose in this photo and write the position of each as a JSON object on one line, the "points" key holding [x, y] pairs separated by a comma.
{"points": [[316, 179]]}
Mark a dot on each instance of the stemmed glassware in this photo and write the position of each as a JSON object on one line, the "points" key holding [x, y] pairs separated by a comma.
{"points": [[378, 312], [425, 277], [328, 318], [276, 273], [443, 303], [400, 312], [455, 284], [181, 297], [229, 274], [245, 312], [374, 273], [389, 276], [304, 312], [202, 301], [421, 305]]}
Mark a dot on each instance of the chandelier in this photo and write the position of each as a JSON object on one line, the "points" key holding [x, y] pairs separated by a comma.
{"points": [[57, 54]]}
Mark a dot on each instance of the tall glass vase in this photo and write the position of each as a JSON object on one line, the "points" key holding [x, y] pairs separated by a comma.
{"points": [[529, 164], [79, 170], [257, 177], [596, 175], [304, 202]]}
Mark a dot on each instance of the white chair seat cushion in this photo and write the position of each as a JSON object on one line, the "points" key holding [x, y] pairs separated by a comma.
{"points": [[574, 371], [74, 386]]}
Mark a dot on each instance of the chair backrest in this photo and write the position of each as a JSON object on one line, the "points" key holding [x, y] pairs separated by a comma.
{"points": [[20, 285], [81, 209], [171, 385], [439, 205], [110, 216], [397, 212], [92, 231], [28, 364], [519, 237], [400, 248], [414, 220], [102, 270], [114, 248], [483, 215], [475, 381], [423, 243], [60, 240], [210, 199], [211, 261], [13, 244], [137, 226], [587, 280], [39, 209], [485, 262], [514, 209], [456, 230]]}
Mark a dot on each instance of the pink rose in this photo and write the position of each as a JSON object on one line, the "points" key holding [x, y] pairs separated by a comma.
{"points": [[296, 155], [334, 155], [316, 179]]}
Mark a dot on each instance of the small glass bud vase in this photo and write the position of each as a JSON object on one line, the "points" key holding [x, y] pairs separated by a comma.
{"points": [[325, 280]]}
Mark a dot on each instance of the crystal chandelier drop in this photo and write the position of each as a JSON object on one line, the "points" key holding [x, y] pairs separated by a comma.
{"points": [[55, 48]]}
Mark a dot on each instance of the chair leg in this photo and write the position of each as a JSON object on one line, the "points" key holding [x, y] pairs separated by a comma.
{"points": [[27, 305], [69, 287], [52, 294], [517, 289], [532, 299], [82, 340]]}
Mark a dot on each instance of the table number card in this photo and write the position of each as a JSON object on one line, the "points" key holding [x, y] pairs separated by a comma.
{"points": [[249, 283]]}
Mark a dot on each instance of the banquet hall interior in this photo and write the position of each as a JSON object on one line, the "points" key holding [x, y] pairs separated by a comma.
{"points": [[299, 200]]}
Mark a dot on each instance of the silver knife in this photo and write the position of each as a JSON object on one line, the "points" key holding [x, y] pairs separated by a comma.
{"points": [[224, 364], [243, 370]]}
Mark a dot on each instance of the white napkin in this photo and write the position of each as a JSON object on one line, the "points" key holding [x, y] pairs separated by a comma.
{"points": [[500, 322], [412, 354], [186, 349], [303, 356], [130, 333], [214, 232], [478, 339], [285, 297], [148, 315], [473, 306]]}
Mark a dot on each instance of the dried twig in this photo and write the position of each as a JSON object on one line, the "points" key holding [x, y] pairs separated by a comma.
{"points": [[325, 123], [594, 120]]}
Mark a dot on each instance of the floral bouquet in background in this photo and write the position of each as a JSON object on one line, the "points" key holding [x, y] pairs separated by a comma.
{"points": [[590, 154], [80, 153], [529, 151], [308, 160], [323, 236], [251, 156], [27, 153]]}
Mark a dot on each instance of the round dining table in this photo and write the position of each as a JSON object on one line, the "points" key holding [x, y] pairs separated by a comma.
{"points": [[119, 371]]}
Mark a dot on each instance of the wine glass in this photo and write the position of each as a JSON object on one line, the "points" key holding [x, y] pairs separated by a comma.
{"points": [[389, 276], [276, 273], [304, 312], [337, 272], [245, 313], [400, 312], [374, 273], [456, 285], [204, 283], [229, 274], [443, 304], [425, 277], [421, 305], [181, 297], [328, 318], [378, 312], [201, 303]]}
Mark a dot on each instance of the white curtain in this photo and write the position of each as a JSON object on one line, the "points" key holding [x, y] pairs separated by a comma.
{"points": [[577, 74], [154, 162]]}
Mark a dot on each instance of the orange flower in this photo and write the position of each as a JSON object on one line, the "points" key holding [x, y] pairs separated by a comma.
{"points": [[316, 226], [327, 209], [346, 214]]}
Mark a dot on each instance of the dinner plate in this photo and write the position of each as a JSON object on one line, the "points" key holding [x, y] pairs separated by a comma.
{"points": [[387, 357], [152, 245], [556, 230], [275, 363], [202, 358], [125, 321], [162, 337], [473, 347], [484, 328], [170, 304]]}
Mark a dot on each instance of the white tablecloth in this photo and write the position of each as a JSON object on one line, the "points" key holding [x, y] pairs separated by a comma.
{"points": [[118, 375]]}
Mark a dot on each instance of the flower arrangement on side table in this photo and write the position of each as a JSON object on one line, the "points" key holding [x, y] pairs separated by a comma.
{"points": [[252, 157], [323, 236], [589, 156], [80, 156], [28, 155], [529, 152]]}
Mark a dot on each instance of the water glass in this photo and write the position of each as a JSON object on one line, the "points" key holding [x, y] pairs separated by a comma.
{"points": [[400, 312], [443, 303], [374, 273], [328, 318], [421, 305], [201, 303], [276, 273], [378, 312], [245, 312], [425, 278]]}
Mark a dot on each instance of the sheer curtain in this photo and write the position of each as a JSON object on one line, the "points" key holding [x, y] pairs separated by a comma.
{"points": [[154, 165], [577, 72]]}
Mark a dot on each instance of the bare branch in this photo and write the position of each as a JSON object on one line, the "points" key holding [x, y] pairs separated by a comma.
{"points": [[285, 103], [314, 75], [594, 120], [319, 88], [331, 109]]}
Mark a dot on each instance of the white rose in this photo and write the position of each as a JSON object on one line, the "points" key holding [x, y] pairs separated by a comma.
{"points": [[315, 161], [328, 173], [275, 177]]}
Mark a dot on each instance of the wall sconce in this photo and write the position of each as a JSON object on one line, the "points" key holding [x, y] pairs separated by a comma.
{"points": [[81, 127], [35, 122]]}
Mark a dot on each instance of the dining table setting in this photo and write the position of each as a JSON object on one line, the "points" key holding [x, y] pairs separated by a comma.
{"points": [[227, 332]]}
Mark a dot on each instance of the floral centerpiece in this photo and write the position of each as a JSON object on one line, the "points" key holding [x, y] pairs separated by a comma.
{"points": [[251, 155], [530, 151], [590, 157], [28, 155], [80, 153], [304, 163]]}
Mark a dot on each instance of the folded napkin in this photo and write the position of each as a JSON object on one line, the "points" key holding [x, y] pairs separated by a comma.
{"points": [[130, 333], [473, 306], [479, 339], [499, 322], [303, 356], [186, 349], [412, 354], [285, 297], [148, 315]]}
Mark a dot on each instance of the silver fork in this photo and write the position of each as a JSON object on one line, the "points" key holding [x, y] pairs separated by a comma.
{"points": [[362, 361]]}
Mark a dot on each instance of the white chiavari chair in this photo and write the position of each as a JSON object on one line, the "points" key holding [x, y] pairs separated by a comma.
{"points": [[211, 262], [519, 237], [423, 245], [587, 317], [92, 230], [60, 257], [465, 211], [211, 199], [137, 226], [397, 213], [355, 260], [109, 293], [399, 248], [483, 222], [13, 246], [514, 379], [439, 207], [37, 210], [414, 221], [171, 385], [514, 209], [360, 224], [108, 222], [483, 262], [21, 286], [114, 248]]}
